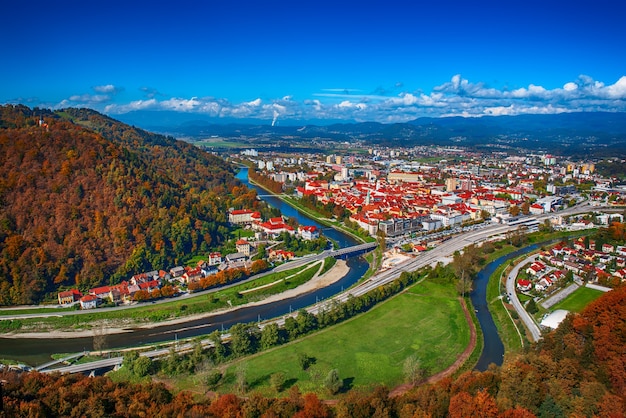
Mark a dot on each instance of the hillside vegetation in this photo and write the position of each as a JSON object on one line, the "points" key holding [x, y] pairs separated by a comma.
{"points": [[86, 200]]}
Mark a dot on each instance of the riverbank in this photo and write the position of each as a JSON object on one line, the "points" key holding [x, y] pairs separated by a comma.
{"points": [[334, 274]]}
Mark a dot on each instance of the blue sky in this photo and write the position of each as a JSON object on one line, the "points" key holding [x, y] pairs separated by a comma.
{"points": [[284, 62]]}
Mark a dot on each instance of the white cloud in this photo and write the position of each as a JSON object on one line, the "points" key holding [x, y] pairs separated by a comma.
{"points": [[108, 88], [256, 102], [458, 97], [570, 86], [89, 98], [617, 90]]}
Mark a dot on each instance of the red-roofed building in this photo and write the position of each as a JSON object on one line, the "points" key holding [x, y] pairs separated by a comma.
{"points": [[535, 268], [524, 285], [70, 296], [149, 286], [215, 258], [280, 255], [309, 232], [608, 248], [191, 275], [243, 247], [101, 292], [243, 216], [89, 302], [274, 226], [536, 209]]}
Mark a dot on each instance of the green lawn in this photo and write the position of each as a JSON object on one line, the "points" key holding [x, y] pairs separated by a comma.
{"points": [[577, 301], [427, 321]]}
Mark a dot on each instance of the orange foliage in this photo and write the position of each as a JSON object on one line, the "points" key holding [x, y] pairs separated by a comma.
{"points": [[93, 198]]}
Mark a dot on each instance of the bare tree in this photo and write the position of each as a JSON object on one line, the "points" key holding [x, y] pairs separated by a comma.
{"points": [[412, 369]]}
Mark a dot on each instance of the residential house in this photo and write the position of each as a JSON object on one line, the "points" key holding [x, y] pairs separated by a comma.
{"points": [[89, 302], [280, 255], [215, 259], [177, 272], [608, 248], [243, 246], [524, 285], [191, 275], [543, 283], [535, 268], [149, 286], [309, 232], [69, 297], [101, 292], [573, 267]]}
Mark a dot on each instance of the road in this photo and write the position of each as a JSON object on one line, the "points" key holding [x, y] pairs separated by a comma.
{"points": [[528, 321]]}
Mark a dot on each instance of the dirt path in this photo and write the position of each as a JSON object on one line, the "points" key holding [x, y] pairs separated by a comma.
{"points": [[402, 389]]}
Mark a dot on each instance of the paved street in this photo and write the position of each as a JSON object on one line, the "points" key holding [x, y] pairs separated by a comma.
{"points": [[528, 321]]}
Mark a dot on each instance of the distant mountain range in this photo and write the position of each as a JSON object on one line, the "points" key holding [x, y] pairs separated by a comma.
{"points": [[597, 134]]}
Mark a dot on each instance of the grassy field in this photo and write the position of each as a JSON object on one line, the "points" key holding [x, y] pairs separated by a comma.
{"points": [[426, 320], [578, 300]]}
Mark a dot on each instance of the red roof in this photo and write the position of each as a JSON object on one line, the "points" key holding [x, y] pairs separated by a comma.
{"points": [[149, 285], [74, 294], [241, 212], [523, 283], [100, 290]]}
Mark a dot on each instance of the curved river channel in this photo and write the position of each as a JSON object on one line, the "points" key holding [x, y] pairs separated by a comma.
{"points": [[35, 351], [493, 350]]}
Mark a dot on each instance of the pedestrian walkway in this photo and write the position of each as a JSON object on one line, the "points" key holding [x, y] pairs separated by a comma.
{"points": [[556, 298]]}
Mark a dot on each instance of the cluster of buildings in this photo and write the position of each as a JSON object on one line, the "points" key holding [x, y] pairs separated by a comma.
{"points": [[583, 259], [271, 228], [385, 191], [150, 281], [119, 293]]}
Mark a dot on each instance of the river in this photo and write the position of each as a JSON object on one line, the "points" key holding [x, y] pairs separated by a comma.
{"points": [[35, 351], [493, 350]]}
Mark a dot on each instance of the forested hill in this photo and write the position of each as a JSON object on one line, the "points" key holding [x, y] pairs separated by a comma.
{"points": [[86, 200]]}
